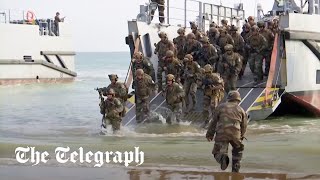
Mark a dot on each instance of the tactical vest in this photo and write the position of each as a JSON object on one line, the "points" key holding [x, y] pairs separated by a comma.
{"points": [[172, 93], [142, 86], [180, 42], [110, 106]]}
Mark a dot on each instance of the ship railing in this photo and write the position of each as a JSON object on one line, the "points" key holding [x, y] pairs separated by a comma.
{"points": [[193, 10]]}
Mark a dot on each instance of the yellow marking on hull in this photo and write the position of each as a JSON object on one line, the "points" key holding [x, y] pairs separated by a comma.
{"points": [[132, 100], [261, 99]]}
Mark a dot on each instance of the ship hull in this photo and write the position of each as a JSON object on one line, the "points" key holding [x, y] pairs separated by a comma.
{"points": [[310, 100]]}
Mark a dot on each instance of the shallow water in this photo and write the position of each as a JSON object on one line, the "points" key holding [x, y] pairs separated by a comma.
{"points": [[51, 115]]}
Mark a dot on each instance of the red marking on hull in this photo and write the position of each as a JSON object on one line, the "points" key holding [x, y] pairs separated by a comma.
{"points": [[31, 81], [310, 100]]}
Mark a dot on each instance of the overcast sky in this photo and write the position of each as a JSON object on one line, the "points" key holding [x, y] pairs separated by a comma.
{"points": [[101, 25]]}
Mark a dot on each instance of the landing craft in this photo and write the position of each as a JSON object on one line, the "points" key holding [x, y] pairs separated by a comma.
{"points": [[294, 74]]}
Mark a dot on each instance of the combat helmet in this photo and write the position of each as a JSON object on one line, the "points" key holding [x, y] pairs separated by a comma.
{"points": [[138, 55], [181, 30], [233, 28], [213, 30], [205, 40], [255, 28], [170, 77], [188, 58], [113, 77], [162, 34], [111, 92], [228, 47], [224, 21], [260, 24], [234, 96], [139, 72], [208, 68], [191, 36], [169, 53]]}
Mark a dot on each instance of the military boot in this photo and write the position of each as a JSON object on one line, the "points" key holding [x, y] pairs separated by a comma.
{"points": [[235, 166], [224, 162]]}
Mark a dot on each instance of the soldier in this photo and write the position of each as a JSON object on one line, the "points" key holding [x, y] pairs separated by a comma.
{"points": [[213, 24], [225, 25], [192, 45], [113, 109], [228, 125], [161, 49], [238, 44], [179, 42], [213, 87], [251, 21], [141, 62], [195, 31], [174, 94], [257, 45], [207, 54], [269, 36], [160, 7], [121, 91], [213, 36], [231, 65], [224, 39], [245, 34], [191, 75], [173, 65], [144, 87]]}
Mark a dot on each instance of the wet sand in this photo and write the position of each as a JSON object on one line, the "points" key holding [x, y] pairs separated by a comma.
{"points": [[67, 173]]}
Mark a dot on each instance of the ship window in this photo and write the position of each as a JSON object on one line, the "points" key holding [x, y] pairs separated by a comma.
{"points": [[318, 77], [147, 45]]}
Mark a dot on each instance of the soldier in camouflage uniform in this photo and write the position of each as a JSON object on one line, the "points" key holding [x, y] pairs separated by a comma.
{"points": [[246, 52], [269, 36], [213, 87], [161, 49], [179, 42], [140, 62], [228, 125], [224, 39], [192, 45], [144, 87], [160, 9], [213, 35], [195, 31], [173, 65], [207, 54], [113, 109], [251, 21], [238, 44], [174, 94], [225, 25], [257, 45], [191, 76], [120, 89], [231, 65]]}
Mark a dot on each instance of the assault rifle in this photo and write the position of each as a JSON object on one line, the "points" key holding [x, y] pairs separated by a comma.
{"points": [[102, 110]]}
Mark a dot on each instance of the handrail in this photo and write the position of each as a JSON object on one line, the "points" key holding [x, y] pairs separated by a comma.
{"points": [[129, 76]]}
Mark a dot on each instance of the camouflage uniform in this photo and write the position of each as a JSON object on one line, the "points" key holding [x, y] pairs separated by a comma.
{"points": [[174, 98], [161, 48], [140, 62], [231, 65], [224, 39], [191, 75], [173, 65], [192, 45], [207, 54], [213, 35], [195, 31], [179, 42], [228, 125], [144, 88], [213, 92], [160, 9], [269, 36], [257, 44], [113, 109], [246, 51], [121, 91]]}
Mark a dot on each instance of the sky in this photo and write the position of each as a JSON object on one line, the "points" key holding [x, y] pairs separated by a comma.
{"points": [[101, 25]]}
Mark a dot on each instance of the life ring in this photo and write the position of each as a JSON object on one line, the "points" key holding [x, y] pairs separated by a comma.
{"points": [[30, 16]]}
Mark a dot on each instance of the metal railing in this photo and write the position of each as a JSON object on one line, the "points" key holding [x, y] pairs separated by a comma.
{"points": [[199, 12]]}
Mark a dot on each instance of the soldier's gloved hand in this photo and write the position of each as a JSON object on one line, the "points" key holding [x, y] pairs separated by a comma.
{"points": [[165, 68], [209, 138]]}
